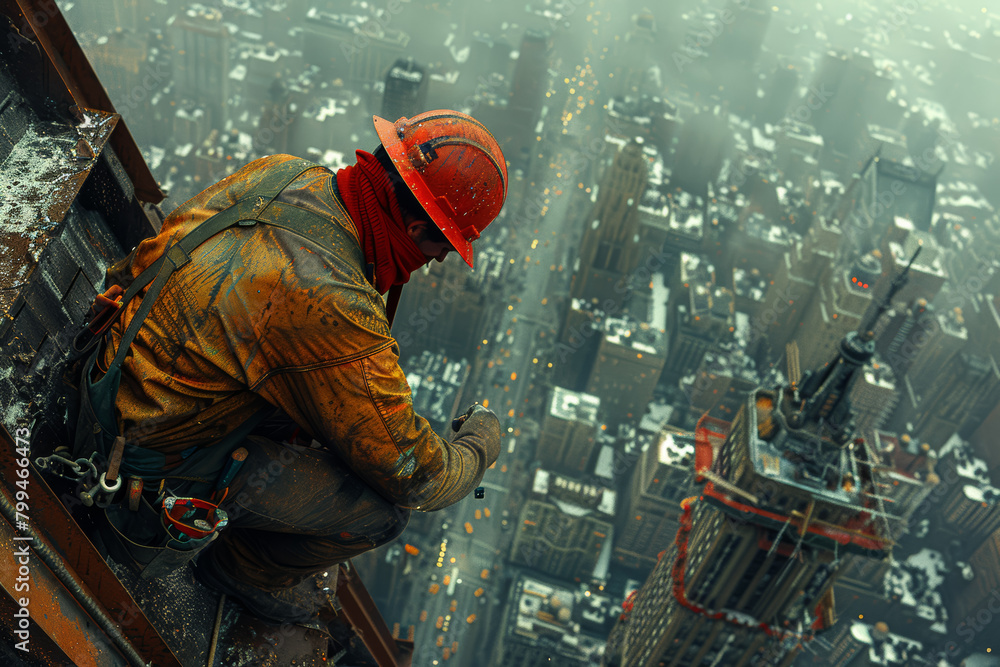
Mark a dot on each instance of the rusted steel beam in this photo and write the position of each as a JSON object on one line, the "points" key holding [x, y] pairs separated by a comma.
{"points": [[364, 618], [50, 519], [79, 82], [54, 629]]}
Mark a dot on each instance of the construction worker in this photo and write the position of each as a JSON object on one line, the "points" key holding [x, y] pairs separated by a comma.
{"points": [[271, 334]]}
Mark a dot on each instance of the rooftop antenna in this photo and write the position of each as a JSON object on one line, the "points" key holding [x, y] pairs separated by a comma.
{"points": [[867, 327]]}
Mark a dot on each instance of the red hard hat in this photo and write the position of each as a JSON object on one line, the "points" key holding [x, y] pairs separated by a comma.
{"points": [[453, 166]]}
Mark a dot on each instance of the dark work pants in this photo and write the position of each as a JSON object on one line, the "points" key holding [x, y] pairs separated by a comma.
{"points": [[294, 511]]}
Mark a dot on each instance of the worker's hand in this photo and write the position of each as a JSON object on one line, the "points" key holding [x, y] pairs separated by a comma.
{"points": [[483, 424], [457, 422]]}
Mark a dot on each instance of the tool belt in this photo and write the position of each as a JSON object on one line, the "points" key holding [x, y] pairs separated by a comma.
{"points": [[157, 531]]}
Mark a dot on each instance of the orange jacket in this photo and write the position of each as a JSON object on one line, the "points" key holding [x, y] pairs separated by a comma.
{"points": [[263, 316]]}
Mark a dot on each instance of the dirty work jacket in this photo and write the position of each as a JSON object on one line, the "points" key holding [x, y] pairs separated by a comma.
{"points": [[264, 317]]}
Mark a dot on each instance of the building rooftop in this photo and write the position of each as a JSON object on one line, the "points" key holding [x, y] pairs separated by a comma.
{"points": [[631, 333], [885, 648], [573, 497], [760, 227], [435, 382], [687, 215], [967, 464], [657, 415], [675, 449], [749, 284], [917, 583], [574, 406], [696, 269], [545, 616]]}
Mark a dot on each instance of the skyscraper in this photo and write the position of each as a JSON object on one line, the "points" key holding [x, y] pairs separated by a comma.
{"points": [[405, 90], [796, 283], [880, 200], [734, 54], [611, 243], [516, 132], [201, 42], [704, 140], [635, 57], [626, 369], [564, 526], [661, 479], [935, 412], [354, 48], [566, 440], [850, 92], [541, 628], [696, 326], [788, 492], [835, 309]]}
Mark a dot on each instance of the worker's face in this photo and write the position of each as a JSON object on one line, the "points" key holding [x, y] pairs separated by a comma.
{"points": [[417, 229]]}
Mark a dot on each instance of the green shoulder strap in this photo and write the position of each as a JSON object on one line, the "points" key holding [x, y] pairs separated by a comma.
{"points": [[244, 212]]}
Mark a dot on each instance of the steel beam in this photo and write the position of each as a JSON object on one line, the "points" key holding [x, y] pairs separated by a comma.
{"points": [[50, 519], [363, 616], [42, 20]]}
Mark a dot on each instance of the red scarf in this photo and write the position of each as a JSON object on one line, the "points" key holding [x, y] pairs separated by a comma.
{"points": [[371, 202]]}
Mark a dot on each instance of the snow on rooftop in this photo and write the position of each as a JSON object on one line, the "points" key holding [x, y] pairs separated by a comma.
{"points": [[674, 451], [574, 406]]}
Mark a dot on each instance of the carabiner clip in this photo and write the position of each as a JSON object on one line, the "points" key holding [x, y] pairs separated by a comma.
{"points": [[193, 517]]}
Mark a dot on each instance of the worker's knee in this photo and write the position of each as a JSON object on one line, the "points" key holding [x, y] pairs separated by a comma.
{"points": [[395, 524]]}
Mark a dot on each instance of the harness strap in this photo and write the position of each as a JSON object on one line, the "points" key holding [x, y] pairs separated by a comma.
{"points": [[244, 211]]}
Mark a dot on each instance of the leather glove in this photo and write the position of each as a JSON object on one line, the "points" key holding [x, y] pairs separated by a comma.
{"points": [[481, 423]]}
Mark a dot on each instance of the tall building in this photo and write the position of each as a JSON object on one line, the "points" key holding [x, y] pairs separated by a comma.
{"points": [[405, 90], [635, 57], [489, 58], [935, 412], [567, 437], [564, 527], [695, 327], [531, 74], [626, 368], [781, 88], [732, 57], [448, 307], [807, 265], [850, 91], [836, 308], [201, 43], [542, 628], [357, 49], [662, 478], [928, 274], [983, 591], [888, 190], [118, 58], [104, 17], [873, 396], [788, 492], [922, 342], [703, 144], [276, 119], [970, 506], [515, 129], [611, 247], [651, 117]]}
